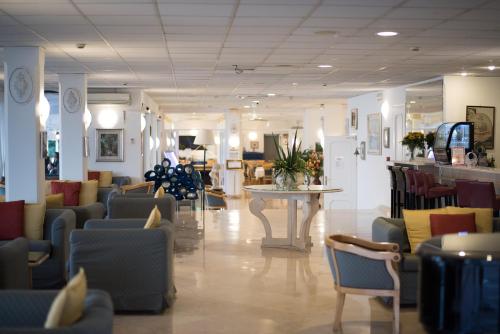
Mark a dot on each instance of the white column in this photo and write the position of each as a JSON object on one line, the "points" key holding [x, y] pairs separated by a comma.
{"points": [[72, 104], [233, 179], [24, 84]]}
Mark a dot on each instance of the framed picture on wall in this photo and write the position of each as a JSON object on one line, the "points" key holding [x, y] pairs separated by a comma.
{"points": [[354, 118], [374, 124], [484, 125], [109, 145], [234, 164]]}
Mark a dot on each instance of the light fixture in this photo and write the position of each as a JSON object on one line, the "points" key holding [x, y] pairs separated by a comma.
{"points": [[157, 143], [234, 141], [256, 101], [107, 118], [151, 143], [295, 84], [387, 33], [413, 101], [58, 136], [324, 66], [87, 118], [143, 122], [271, 94], [246, 107], [252, 135], [384, 109], [491, 67], [322, 106], [464, 74], [44, 111]]}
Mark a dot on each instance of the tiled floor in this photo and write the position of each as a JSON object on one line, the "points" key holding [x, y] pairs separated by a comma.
{"points": [[227, 284]]}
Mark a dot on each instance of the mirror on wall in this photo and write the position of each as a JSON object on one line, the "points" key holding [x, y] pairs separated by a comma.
{"points": [[424, 107]]}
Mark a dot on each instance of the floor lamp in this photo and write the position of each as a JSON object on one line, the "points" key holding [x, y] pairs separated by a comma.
{"points": [[204, 138]]}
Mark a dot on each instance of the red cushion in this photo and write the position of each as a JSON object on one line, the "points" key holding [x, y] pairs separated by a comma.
{"points": [[445, 224], [71, 191], [11, 220], [93, 175]]}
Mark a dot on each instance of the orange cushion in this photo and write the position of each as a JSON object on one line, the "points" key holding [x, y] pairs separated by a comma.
{"points": [[71, 191], [446, 224]]}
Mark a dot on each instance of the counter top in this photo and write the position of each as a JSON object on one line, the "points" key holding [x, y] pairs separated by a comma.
{"points": [[417, 162], [480, 169]]}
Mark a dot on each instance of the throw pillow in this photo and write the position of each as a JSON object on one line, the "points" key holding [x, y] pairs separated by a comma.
{"points": [[55, 201], [34, 217], [67, 307], [48, 187], [11, 220], [71, 191], [154, 219], [93, 175], [484, 217], [446, 224], [2, 198], [88, 192], [160, 193], [105, 178], [418, 226]]}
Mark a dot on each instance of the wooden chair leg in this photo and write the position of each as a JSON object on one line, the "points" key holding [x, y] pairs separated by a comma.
{"points": [[338, 311], [395, 306]]}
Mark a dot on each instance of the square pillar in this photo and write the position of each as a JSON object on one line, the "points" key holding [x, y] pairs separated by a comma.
{"points": [[24, 85]]}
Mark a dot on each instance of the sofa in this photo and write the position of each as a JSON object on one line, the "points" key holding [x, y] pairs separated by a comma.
{"points": [[394, 230], [14, 264], [134, 205], [85, 212], [25, 311], [133, 264]]}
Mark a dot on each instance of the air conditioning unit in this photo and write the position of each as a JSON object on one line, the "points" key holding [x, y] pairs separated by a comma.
{"points": [[108, 98]]}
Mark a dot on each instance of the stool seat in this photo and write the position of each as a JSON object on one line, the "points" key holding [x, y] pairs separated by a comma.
{"points": [[441, 191]]}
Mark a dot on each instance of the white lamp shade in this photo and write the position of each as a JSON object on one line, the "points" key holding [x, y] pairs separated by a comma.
{"points": [[87, 118], [44, 110], [204, 137]]}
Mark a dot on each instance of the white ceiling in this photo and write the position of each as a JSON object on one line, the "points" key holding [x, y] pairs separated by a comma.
{"points": [[182, 51]]}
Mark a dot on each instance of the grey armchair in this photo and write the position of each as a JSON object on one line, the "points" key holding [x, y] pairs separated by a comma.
{"points": [[26, 311], [85, 212], [133, 264], [14, 264], [140, 206], [57, 226], [117, 183]]}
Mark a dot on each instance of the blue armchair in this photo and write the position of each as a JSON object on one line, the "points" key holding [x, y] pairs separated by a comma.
{"points": [[140, 206], [365, 268], [25, 311], [14, 264], [133, 264]]}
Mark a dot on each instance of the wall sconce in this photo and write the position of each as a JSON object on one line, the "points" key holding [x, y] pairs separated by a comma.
{"points": [[361, 150], [143, 122], [44, 110], [157, 143], [107, 118], [252, 135], [151, 143], [87, 118], [234, 142]]}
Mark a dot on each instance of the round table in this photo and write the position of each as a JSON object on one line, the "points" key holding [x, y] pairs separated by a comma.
{"points": [[308, 195]]}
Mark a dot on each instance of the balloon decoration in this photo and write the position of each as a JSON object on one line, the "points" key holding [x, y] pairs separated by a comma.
{"points": [[181, 181]]}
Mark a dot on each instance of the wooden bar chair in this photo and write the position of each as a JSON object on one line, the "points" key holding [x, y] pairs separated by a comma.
{"points": [[363, 267]]}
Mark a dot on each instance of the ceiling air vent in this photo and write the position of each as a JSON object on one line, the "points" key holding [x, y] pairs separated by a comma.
{"points": [[108, 98]]}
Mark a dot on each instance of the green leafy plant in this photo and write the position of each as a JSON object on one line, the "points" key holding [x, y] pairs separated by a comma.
{"points": [[289, 162], [430, 137], [414, 140]]}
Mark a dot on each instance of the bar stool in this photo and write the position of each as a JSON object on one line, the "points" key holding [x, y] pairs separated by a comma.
{"points": [[483, 195], [400, 191], [419, 180], [393, 191], [434, 191], [464, 193], [410, 188]]}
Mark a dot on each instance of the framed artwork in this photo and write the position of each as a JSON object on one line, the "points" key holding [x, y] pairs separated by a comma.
{"points": [[354, 118], [386, 136], [484, 125], [254, 145], [374, 123], [234, 164], [109, 145]]}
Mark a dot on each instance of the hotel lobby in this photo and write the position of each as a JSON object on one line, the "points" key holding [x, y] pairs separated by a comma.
{"points": [[249, 166]]}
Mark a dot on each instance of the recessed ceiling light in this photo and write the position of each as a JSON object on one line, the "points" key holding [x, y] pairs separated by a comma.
{"points": [[324, 66], [295, 84], [255, 101], [387, 33], [413, 102], [246, 107], [491, 67], [464, 74], [271, 94]]}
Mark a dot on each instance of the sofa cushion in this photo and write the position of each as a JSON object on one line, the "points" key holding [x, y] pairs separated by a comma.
{"points": [[93, 175], [40, 246], [68, 305], [71, 191], [34, 217], [11, 220], [484, 217], [55, 201], [105, 178], [2, 198], [445, 224], [88, 192], [160, 193], [154, 219], [418, 225], [409, 262]]}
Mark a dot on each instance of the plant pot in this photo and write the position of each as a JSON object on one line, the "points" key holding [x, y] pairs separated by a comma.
{"points": [[285, 182]]}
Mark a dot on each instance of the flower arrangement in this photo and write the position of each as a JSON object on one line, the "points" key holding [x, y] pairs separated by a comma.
{"points": [[414, 140], [314, 162], [289, 162]]}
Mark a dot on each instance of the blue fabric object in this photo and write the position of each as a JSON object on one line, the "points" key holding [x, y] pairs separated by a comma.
{"points": [[140, 206], [14, 264]]}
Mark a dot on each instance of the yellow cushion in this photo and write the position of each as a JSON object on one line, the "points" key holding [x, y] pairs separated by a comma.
{"points": [[67, 307], [160, 193], [484, 217], [55, 201], [34, 217], [154, 219], [2, 198], [105, 178], [418, 225], [88, 192], [48, 187]]}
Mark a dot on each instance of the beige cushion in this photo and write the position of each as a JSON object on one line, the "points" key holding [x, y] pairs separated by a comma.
{"points": [[55, 201], [418, 225], [160, 193], [34, 217], [48, 187], [105, 178], [484, 217], [154, 219], [67, 307], [88, 192]]}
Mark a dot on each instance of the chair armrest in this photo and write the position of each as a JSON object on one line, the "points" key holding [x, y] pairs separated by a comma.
{"points": [[57, 226], [123, 223], [121, 180], [363, 243], [143, 187], [384, 230], [14, 265], [86, 212]]}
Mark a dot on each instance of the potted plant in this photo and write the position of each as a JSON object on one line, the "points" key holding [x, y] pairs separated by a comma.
{"points": [[288, 164], [314, 164], [414, 140]]}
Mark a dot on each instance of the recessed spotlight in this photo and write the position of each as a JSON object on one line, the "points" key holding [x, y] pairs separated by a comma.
{"points": [[387, 33], [271, 94], [246, 107], [295, 84], [492, 67], [324, 66], [413, 102], [464, 74], [81, 45], [255, 101]]}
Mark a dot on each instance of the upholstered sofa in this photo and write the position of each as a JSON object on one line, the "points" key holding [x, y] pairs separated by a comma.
{"points": [[14, 264], [133, 264], [394, 230], [134, 205], [25, 311], [85, 212]]}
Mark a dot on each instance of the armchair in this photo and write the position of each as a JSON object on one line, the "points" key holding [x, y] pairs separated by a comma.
{"points": [[14, 264], [85, 212], [26, 311], [365, 268], [133, 264], [140, 205]]}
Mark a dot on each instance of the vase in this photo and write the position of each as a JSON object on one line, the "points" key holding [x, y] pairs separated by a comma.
{"points": [[412, 155], [316, 180], [285, 182]]}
